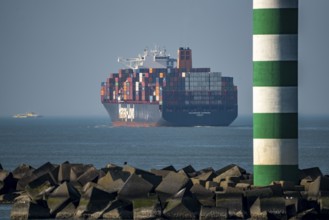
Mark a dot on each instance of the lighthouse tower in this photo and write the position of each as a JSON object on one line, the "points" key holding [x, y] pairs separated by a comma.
{"points": [[275, 90]]}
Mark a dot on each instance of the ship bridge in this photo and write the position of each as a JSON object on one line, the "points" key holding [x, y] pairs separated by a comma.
{"points": [[156, 58]]}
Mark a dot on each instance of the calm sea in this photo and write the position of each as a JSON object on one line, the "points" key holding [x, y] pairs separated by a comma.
{"points": [[93, 140]]}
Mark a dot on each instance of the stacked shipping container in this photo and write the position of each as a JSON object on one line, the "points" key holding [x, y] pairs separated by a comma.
{"points": [[143, 85], [175, 87]]}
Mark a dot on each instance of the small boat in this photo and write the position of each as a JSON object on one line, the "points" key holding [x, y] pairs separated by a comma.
{"points": [[27, 115]]}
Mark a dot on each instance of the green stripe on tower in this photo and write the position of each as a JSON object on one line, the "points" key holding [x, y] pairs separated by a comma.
{"points": [[267, 173], [275, 125], [275, 81], [275, 21], [275, 73]]}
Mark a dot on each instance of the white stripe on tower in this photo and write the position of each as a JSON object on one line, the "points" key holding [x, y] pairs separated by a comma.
{"points": [[259, 4], [274, 99], [275, 47]]}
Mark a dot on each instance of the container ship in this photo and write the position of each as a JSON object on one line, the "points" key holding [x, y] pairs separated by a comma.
{"points": [[157, 90]]}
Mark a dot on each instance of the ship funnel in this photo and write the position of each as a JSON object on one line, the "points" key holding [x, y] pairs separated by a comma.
{"points": [[184, 56]]}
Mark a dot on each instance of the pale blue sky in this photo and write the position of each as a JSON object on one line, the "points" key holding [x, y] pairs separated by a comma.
{"points": [[55, 54]]}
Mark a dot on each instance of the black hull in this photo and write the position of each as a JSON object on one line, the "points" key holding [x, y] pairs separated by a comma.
{"points": [[144, 114]]}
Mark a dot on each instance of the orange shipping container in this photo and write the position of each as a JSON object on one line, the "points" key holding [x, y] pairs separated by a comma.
{"points": [[102, 91]]}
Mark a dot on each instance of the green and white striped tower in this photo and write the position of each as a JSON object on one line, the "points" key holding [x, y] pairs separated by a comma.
{"points": [[275, 91]]}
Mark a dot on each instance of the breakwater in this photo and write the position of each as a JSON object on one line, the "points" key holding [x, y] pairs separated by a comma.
{"points": [[125, 192]]}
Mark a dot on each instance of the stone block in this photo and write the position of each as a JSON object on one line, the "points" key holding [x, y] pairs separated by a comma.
{"points": [[184, 208], [206, 176], [299, 188], [135, 187], [111, 165], [22, 170], [91, 175], [38, 177], [7, 182], [210, 184], [8, 198], [170, 168], [324, 205], [43, 169], [61, 197], [233, 202], [23, 197], [93, 200], [105, 180], [276, 189], [213, 213], [172, 183], [313, 173], [305, 182], [285, 185], [39, 180], [118, 173], [181, 194], [203, 195], [64, 172], [234, 190], [77, 170], [248, 181], [292, 206], [275, 208], [196, 181], [321, 183], [153, 179], [206, 170], [254, 193], [134, 170], [41, 186], [243, 186], [28, 210], [226, 184], [110, 185], [189, 171], [67, 212], [147, 208], [161, 173], [307, 214], [230, 170], [118, 210]]}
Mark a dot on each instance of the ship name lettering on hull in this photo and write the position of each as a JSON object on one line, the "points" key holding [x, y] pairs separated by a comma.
{"points": [[127, 113], [199, 114]]}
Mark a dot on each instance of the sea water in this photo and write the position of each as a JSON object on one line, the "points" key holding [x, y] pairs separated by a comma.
{"points": [[93, 140]]}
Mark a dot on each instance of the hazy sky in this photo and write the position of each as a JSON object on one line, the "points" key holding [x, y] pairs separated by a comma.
{"points": [[55, 54]]}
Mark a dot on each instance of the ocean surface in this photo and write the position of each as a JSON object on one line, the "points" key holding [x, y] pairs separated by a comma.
{"points": [[93, 140]]}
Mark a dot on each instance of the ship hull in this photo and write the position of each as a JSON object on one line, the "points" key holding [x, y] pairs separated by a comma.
{"points": [[148, 114]]}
